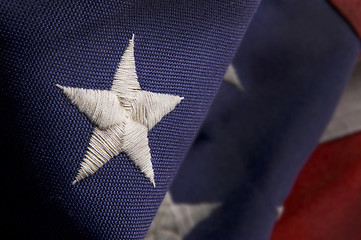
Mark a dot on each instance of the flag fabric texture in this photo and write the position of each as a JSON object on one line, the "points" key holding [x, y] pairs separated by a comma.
{"points": [[181, 48], [325, 201], [351, 10], [346, 119], [293, 64]]}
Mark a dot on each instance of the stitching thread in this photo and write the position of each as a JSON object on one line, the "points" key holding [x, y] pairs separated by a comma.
{"points": [[121, 117]]}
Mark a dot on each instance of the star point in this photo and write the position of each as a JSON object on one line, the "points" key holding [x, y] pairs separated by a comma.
{"points": [[122, 117]]}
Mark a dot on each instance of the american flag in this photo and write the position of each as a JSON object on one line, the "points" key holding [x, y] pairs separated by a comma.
{"points": [[117, 94]]}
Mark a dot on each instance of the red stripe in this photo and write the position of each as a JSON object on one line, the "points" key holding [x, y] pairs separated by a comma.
{"points": [[325, 203], [351, 10]]}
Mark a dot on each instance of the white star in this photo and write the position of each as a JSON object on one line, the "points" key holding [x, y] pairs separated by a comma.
{"points": [[175, 220], [122, 117], [231, 76]]}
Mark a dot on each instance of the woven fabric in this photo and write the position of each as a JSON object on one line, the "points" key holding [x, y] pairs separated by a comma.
{"points": [[293, 63], [346, 119], [351, 10], [325, 202], [181, 48]]}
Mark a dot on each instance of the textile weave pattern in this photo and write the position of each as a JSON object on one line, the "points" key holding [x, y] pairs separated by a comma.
{"points": [[183, 49]]}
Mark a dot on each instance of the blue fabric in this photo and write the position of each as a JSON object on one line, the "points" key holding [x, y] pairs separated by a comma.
{"points": [[181, 48], [293, 63]]}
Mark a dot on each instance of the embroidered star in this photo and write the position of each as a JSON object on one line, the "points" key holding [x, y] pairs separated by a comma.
{"points": [[180, 218], [122, 117], [231, 76]]}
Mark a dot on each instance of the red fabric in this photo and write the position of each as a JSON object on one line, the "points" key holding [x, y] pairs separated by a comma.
{"points": [[325, 203], [351, 10]]}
